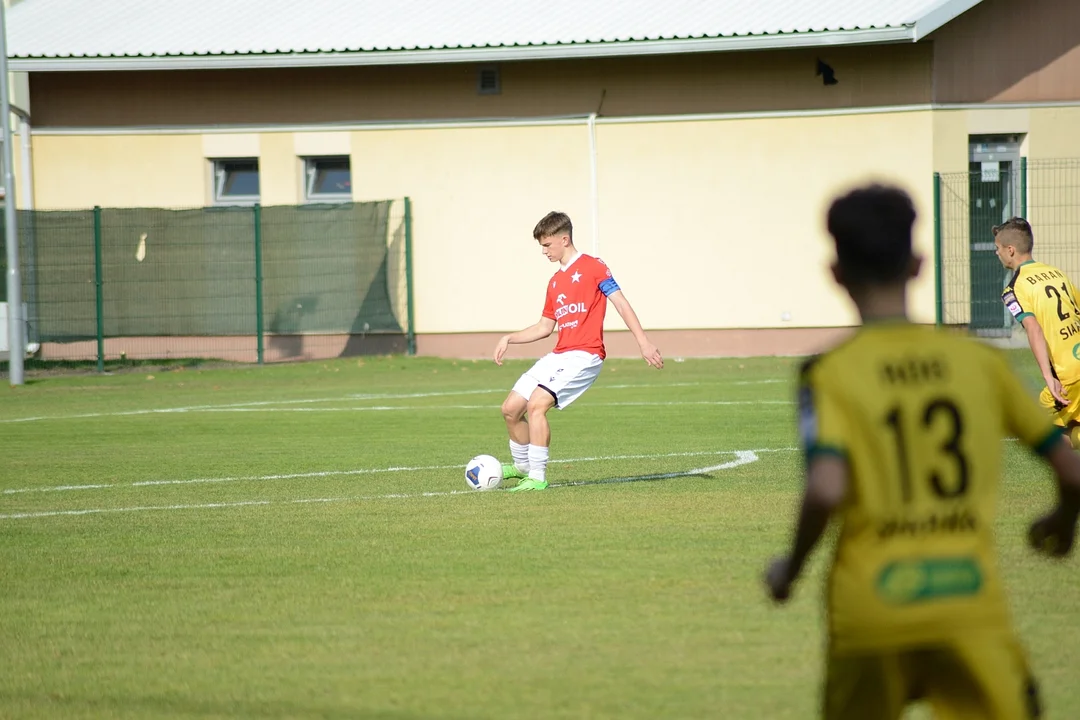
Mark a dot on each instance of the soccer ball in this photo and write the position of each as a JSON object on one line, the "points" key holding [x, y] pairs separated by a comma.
{"points": [[483, 472]]}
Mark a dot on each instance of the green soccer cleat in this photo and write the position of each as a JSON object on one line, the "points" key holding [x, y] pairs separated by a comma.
{"points": [[530, 484], [510, 471]]}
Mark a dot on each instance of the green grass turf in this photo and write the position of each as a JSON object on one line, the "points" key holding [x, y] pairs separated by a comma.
{"points": [[245, 557]]}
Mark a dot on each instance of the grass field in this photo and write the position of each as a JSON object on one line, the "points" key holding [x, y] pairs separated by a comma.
{"points": [[298, 541]]}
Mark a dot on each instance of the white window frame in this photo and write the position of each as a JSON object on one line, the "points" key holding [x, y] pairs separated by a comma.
{"points": [[220, 175], [311, 171]]}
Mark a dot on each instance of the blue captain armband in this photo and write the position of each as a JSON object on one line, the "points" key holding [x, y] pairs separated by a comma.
{"points": [[608, 286], [1013, 305]]}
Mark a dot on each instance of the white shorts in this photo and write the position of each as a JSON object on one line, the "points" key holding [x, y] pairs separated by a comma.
{"points": [[565, 375]]}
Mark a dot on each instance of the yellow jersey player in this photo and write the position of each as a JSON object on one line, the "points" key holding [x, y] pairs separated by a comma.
{"points": [[1045, 303], [902, 427]]}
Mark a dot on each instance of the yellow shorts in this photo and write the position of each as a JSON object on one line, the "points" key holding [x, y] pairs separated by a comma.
{"points": [[984, 676], [1063, 416]]}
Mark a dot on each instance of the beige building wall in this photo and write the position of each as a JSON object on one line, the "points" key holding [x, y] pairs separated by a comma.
{"points": [[72, 172], [707, 223], [950, 141], [280, 171], [477, 193], [1055, 132], [711, 223], [151, 170], [720, 224]]}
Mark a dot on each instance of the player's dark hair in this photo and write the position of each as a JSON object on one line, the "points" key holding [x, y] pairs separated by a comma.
{"points": [[554, 223], [1016, 231], [872, 229]]}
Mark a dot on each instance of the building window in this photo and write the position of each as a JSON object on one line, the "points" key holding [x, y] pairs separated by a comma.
{"points": [[327, 179], [236, 182]]}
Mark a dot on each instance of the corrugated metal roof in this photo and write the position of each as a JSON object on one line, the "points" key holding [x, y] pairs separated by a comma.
{"points": [[79, 29]]}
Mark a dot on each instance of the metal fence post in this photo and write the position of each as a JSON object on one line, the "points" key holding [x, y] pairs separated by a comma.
{"points": [[15, 317], [411, 331], [259, 283], [1023, 187], [99, 291], [939, 300]]}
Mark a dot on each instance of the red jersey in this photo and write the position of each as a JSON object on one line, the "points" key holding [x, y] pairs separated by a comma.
{"points": [[577, 301]]}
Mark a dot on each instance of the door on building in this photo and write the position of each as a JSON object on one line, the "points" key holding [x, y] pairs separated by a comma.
{"points": [[992, 193]]}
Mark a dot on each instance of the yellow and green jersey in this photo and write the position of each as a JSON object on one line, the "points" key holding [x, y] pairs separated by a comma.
{"points": [[919, 415], [1041, 290]]}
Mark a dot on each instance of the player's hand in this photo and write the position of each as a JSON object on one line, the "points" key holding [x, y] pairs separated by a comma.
{"points": [[652, 355], [1054, 385], [778, 579], [1054, 534], [500, 349]]}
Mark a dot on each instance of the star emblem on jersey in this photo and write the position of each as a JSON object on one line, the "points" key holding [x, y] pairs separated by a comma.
{"points": [[561, 299], [575, 277]]}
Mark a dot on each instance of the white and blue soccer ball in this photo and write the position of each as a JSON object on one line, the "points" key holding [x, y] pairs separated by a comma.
{"points": [[483, 472]]}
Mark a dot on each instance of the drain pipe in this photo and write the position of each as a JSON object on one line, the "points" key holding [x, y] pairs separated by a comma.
{"points": [[594, 186], [26, 196], [27, 164]]}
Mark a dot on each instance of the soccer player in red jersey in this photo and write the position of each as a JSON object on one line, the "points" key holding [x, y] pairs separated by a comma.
{"points": [[576, 302]]}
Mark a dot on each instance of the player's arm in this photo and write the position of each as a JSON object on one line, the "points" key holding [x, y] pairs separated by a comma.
{"points": [[822, 427], [537, 331], [1054, 533], [1037, 341], [1025, 420], [826, 487], [648, 351]]}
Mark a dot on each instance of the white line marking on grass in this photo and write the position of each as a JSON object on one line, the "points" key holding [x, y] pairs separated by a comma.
{"points": [[674, 403], [436, 408], [342, 398], [691, 384], [364, 471], [146, 508], [742, 457], [252, 404]]}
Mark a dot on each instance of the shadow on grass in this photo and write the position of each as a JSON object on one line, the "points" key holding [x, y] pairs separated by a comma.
{"points": [[64, 704], [742, 457], [35, 368]]}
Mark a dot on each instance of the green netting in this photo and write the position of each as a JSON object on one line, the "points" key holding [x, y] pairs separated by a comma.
{"points": [[197, 275], [1046, 192], [325, 269], [58, 280], [345, 249]]}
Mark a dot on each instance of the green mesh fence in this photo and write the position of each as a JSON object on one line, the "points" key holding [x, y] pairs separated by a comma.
{"points": [[234, 283], [1046, 192]]}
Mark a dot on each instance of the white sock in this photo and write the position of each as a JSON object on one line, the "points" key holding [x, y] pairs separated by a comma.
{"points": [[538, 460], [520, 454]]}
